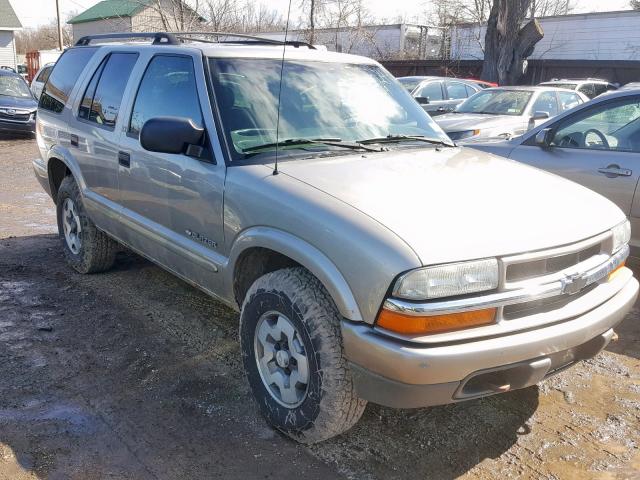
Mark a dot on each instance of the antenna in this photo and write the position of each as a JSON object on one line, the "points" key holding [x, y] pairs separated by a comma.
{"points": [[284, 46]]}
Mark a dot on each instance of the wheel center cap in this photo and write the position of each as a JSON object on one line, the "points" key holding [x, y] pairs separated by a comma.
{"points": [[282, 359]]}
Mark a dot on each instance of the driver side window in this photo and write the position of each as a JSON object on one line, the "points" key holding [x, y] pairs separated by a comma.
{"points": [[611, 126], [432, 90]]}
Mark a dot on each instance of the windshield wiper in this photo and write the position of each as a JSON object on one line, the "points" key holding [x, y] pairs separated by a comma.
{"points": [[405, 138], [333, 142]]}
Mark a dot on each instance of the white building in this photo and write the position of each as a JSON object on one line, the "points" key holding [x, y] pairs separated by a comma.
{"points": [[9, 24], [375, 41], [588, 36]]}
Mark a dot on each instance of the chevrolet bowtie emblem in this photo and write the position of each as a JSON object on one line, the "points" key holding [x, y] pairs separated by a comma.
{"points": [[573, 283]]}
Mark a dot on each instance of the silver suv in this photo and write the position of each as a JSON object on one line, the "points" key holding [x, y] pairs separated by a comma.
{"points": [[370, 258]]}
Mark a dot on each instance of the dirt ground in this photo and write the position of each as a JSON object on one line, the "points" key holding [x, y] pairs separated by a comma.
{"points": [[133, 374]]}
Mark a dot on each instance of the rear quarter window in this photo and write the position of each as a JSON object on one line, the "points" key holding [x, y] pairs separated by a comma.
{"points": [[63, 77]]}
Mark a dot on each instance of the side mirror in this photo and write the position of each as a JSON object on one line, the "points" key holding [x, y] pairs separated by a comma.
{"points": [[540, 116], [422, 100], [544, 137], [172, 135]]}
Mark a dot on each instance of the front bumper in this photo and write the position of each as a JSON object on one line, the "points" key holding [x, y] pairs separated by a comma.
{"points": [[400, 374], [28, 127]]}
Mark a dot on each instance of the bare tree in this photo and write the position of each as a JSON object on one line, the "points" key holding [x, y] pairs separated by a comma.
{"points": [[635, 4], [507, 44], [44, 37]]}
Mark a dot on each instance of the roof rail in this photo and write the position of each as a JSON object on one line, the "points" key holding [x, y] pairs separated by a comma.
{"points": [[254, 39], [159, 38]]}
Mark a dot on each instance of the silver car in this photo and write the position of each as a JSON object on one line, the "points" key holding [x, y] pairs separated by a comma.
{"points": [[596, 145], [370, 258], [506, 111], [439, 95]]}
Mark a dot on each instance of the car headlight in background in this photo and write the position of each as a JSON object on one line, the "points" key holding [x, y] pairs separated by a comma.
{"points": [[621, 235], [463, 134], [448, 280]]}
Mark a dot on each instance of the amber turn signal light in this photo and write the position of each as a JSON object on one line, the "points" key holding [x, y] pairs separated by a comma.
{"points": [[412, 325], [613, 274]]}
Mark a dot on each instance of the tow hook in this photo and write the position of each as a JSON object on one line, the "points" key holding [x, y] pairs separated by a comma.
{"points": [[614, 338]]}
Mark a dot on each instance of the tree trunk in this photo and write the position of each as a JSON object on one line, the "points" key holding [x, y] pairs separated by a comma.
{"points": [[312, 21], [506, 45]]}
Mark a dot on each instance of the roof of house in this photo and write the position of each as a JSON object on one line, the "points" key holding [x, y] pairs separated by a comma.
{"points": [[8, 18], [109, 9]]}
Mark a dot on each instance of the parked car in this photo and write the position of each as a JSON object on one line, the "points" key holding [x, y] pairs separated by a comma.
{"points": [[369, 257], [482, 83], [439, 95], [17, 105], [506, 111], [410, 83], [40, 79], [596, 145], [591, 87]]}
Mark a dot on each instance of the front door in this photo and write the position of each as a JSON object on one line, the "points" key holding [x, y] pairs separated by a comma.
{"points": [[597, 147], [430, 95], [173, 202]]}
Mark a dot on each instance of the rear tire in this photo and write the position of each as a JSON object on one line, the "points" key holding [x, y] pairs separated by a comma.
{"points": [[86, 249], [294, 358]]}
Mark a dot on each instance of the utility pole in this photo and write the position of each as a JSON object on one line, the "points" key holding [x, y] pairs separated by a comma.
{"points": [[59, 25]]}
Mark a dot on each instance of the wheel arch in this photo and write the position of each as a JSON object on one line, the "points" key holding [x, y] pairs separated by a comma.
{"points": [[268, 249], [60, 164]]}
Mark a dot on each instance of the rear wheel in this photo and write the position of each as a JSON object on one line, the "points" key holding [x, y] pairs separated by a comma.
{"points": [[294, 359], [86, 249]]}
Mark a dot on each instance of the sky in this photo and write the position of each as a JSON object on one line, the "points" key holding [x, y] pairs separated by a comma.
{"points": [[38, 12]]}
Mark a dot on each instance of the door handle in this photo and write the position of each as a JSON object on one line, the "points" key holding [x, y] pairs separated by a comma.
{"points": [[74, 139], [615, 171], [124, 159], [442, 109]]}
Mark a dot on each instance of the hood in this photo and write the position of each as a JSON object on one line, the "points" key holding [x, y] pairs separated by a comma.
{"points": [[27, 103], [456, 122], [460, 204]]}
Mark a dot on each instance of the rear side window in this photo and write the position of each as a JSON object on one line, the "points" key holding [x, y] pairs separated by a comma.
{"points": [[168, 88], [456, 90], [101, 101], [63, 77], [568, 100]]}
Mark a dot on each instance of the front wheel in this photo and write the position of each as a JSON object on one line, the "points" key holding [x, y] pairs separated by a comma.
{"points": [[294, 359]]}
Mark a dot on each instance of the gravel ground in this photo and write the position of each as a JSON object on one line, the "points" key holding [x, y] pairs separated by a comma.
{"points": [[133, 374]]}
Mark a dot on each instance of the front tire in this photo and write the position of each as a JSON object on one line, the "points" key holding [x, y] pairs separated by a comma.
{"points": [[86, 249], [294, 359]]}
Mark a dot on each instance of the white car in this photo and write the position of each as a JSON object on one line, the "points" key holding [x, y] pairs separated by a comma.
{"points": [[506, 111], [40, 78]]}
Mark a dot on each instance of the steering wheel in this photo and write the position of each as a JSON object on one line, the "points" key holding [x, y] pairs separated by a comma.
{"points": [[569, 141], [597, 133]]}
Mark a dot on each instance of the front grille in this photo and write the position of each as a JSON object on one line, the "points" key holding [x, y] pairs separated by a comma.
{"points": [[17, 117], [544, 305], [547, 266]]}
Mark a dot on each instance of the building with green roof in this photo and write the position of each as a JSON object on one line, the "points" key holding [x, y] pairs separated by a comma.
{"points": [[134, 16]]}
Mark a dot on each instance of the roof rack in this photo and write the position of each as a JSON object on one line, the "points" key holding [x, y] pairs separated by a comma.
{"points": [[254, 39], [159, 38], [176, 38]]}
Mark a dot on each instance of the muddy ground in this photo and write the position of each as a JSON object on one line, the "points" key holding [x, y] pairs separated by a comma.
{"points": [[133, 374]]}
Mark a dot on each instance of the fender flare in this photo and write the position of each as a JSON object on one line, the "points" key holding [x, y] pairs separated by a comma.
{"points": [[306, 255], [63, 154]]}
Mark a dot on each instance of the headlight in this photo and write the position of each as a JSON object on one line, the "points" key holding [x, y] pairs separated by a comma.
{"points": [[621, 235], [448, 280], [463, 134]]}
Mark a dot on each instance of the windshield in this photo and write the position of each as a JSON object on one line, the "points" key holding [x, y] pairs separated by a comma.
{"points": [[496, 102], [409, 84], [11, 86], [319, 100]]}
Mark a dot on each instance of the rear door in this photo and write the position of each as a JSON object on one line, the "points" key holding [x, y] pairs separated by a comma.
{"points": [[590, 147], [172, 203]]}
